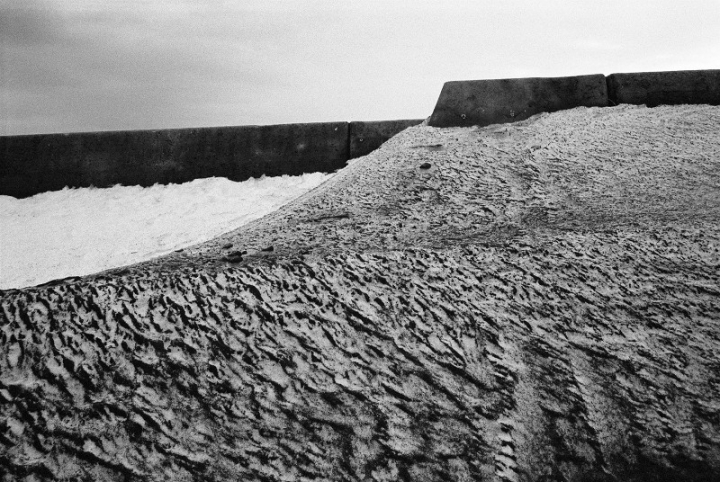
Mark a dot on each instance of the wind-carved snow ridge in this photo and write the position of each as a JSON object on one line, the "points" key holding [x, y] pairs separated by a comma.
{"points": [[535, 301], [75, 232]]}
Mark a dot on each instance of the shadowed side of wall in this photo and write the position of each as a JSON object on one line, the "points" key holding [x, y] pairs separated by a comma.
{"points": [[365, 137], [668, 88], [31, 164], [37, 163], [485, 102]]}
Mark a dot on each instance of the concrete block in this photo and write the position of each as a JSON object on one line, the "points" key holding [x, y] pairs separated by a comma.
{"points": [[36, 163], [485, 102], [669, 88], [365, 137]]}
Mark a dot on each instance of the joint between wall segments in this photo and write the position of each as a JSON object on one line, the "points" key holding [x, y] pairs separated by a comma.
{"points": [[347, 143]]}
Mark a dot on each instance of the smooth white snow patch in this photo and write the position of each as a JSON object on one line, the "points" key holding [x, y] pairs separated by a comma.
{"points": [[75, 232]]}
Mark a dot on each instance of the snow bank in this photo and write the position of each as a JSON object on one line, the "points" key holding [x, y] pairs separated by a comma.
{"points": [[75, 232]]}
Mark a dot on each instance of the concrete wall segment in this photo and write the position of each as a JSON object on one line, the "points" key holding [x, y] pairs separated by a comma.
{"points": [[668, 88], [45, 162], [485, 102], [31, 164], [365, 137]]}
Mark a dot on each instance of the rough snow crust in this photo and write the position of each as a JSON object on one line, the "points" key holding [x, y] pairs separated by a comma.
{"points": [[76, 232], [540, 303]]}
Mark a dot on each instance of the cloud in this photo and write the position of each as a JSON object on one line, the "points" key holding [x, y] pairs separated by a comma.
{"points": [[87, 68], [132, 64], [28, 24]]}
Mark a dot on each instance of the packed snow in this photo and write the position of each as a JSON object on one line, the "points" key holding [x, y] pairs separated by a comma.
{"points": [[76, 232]]}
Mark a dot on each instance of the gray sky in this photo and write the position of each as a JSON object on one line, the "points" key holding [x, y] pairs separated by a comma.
{"points": [[87, 65]]}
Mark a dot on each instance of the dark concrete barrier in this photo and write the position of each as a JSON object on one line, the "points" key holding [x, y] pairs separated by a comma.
{"points": [[485, 102], [669, 88], [45, 162], [36, 163], [365, 137]]}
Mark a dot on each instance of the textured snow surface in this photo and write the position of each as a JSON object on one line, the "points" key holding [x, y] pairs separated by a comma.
{"points": [[75, 232], [531, 302]]}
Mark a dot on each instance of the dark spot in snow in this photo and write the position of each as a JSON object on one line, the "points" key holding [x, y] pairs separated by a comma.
{"points": [[329, 216], [425, 165], [234, 257], [430, 147]]}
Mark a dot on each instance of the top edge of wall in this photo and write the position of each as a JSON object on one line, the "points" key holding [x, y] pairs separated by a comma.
{"points": [[664, 72], [177, 129], [523, 78]]}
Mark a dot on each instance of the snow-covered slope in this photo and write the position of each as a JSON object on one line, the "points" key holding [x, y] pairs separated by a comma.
{"points": [[536, 301], [75, 232]]}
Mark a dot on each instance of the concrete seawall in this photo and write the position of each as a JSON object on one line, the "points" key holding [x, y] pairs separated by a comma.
{"points": [[33, 164], [485, 102], [669, 88], [365, 137], [36, 163]]}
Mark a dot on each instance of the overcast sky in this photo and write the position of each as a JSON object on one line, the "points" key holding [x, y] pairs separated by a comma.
{"points": [[86, 65]]}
